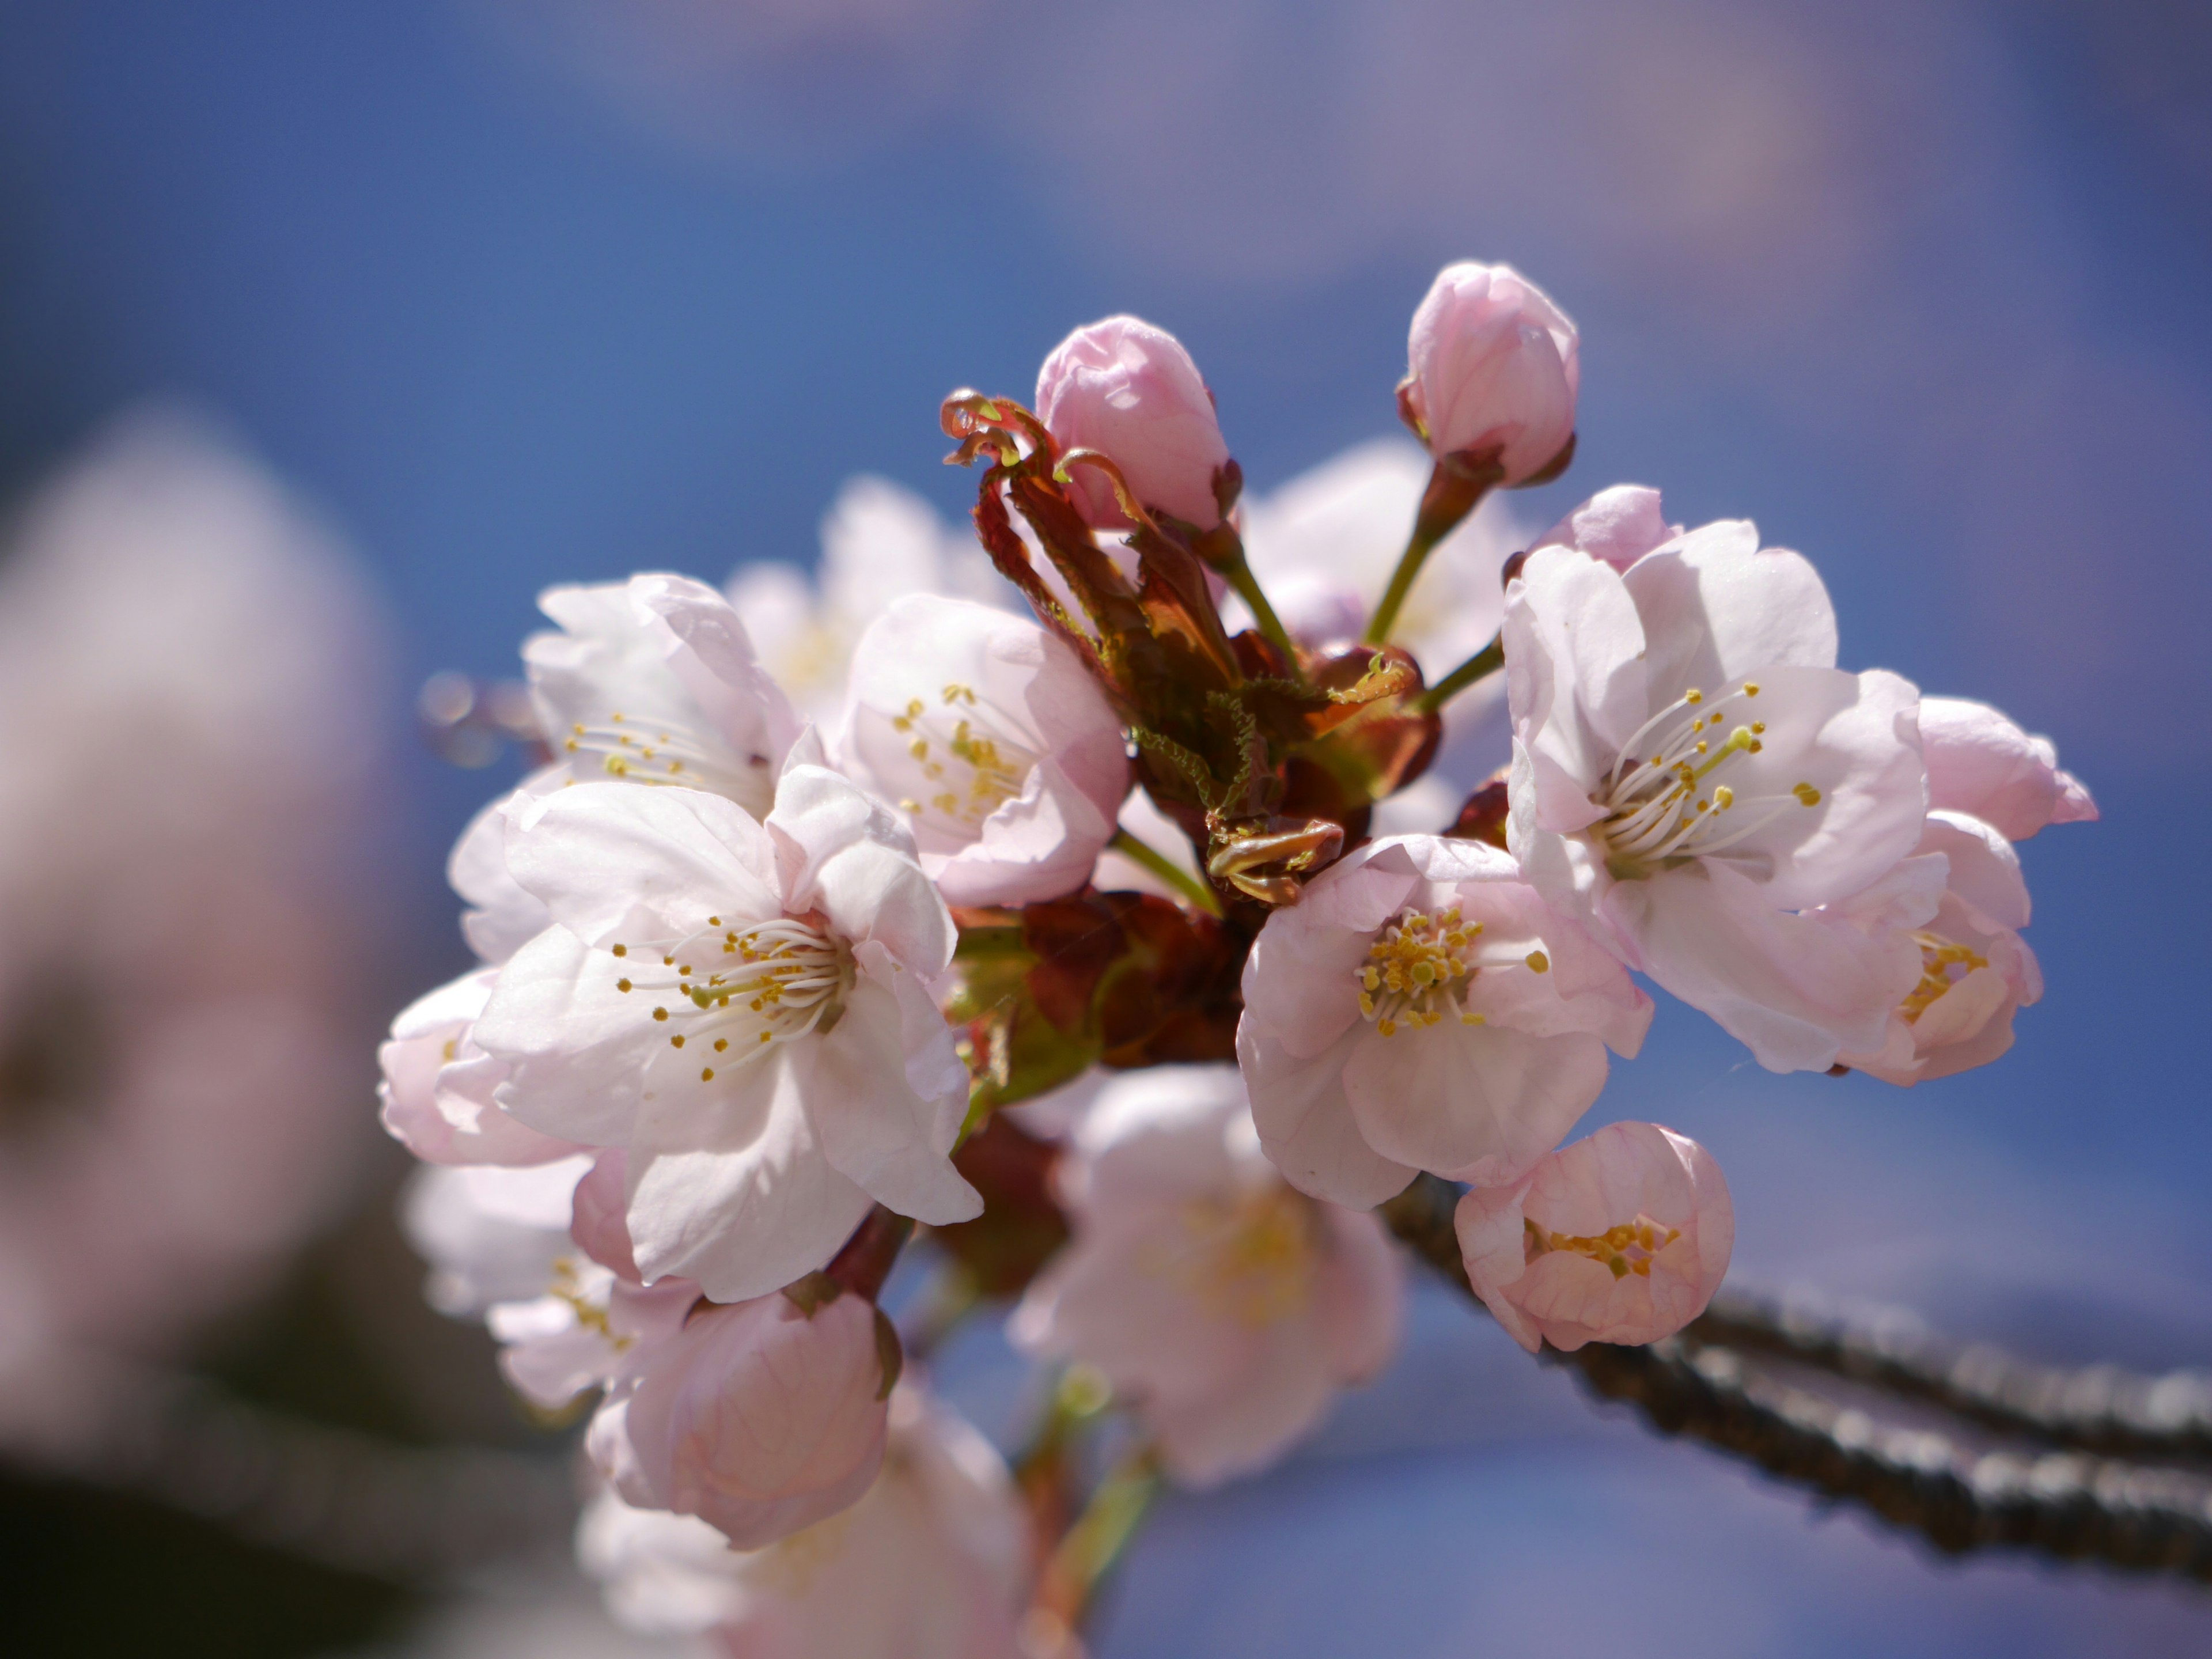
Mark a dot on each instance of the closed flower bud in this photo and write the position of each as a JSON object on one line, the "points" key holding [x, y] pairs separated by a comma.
{"points": [[756, 1417], [1621, 1237], [1132, 392], [1491, 363]]}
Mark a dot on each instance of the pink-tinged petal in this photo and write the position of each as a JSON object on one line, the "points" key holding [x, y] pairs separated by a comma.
{"points": [[819, 816], [1539, 1256], [1716, 607], [1984, 869], [1575, 679], [879, 894], [1980, 763], [1206, 1439], [1796, 990], [1852, 742], [728, 1185], [1472, 1102], [550, 1368], [425, 1100], [1041, 845], [872, 1124], [598, 1215], [1306, 1123], [1617, 526], [720, 668], [502, 917], [1359, 1301], [575, 1046], [1299, 981], [612, 861]]}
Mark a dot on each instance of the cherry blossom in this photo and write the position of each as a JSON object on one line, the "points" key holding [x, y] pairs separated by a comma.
{"points": [[438, 1087], [1691, 771], [1422, 1008], [929, 1564], [760, 1417], [1131, 392], [995, 744], [1976, 971], [1618, 525], [500, 1248], [1621, 1237], [1980, 763], [654, 680], [880, 541], [1324, 544], [1230, 1307], [746, 1004], [196, 860], [1492, 364]]}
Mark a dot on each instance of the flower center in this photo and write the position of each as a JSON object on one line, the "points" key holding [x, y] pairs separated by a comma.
{"points": [[779, 980], [1628, 1248], [1943, 963], [1254, 1254], [670, 752], [1415, 968], [1665, 801], [971, 775]]}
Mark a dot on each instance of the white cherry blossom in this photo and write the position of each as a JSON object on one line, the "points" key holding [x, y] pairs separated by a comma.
{"points": [[1975, 970], [1228, 1306], [438, 1085], [1422, 1008], [993, 742], [1691, 771], [499, 1246], [744, 1004], [880, 541]]}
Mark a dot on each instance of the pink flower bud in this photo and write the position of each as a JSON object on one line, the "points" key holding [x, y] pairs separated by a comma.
{"points": [[1131, 392], [756, 1417], [1618, 525], [1621, 1237], [1491, 363]]}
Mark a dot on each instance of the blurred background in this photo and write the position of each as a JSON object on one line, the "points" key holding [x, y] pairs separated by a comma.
{"points": [[330, 334]]}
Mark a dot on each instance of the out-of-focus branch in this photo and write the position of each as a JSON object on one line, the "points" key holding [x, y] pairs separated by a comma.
{"points": [[345, 1499], [2098, 1409], [2059, 1504]]}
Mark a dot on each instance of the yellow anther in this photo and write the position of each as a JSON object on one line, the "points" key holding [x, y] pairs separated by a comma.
{"points": [[622, 985], [1538, 963], [661, 1013], [622, 949], [720, 1043], [1749, 689], [1723, 797], [1807, 795], [1693, 697], [676, 1042], [705, 1075]]}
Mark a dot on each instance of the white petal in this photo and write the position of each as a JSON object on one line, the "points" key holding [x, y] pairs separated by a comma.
{"points": [[871, 1123], [618, 862], [578, 1045], [727, 1184], [1716, 607], [1575, 674]]}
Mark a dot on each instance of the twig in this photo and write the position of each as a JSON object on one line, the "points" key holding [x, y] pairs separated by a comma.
{"points": [[2063, 1505]]}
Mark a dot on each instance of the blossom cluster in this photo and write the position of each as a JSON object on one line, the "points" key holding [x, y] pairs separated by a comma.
{"points": [[1131, 950]]}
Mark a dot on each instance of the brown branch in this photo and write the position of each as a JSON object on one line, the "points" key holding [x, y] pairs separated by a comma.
{"points": [[2098, 1408], [2063, 1505]]}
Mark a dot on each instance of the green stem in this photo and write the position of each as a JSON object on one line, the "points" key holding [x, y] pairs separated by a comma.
{"points": [[1486, 661], [1247, 587], [1104, 1529], [1456, 484], [1166, 870]]}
